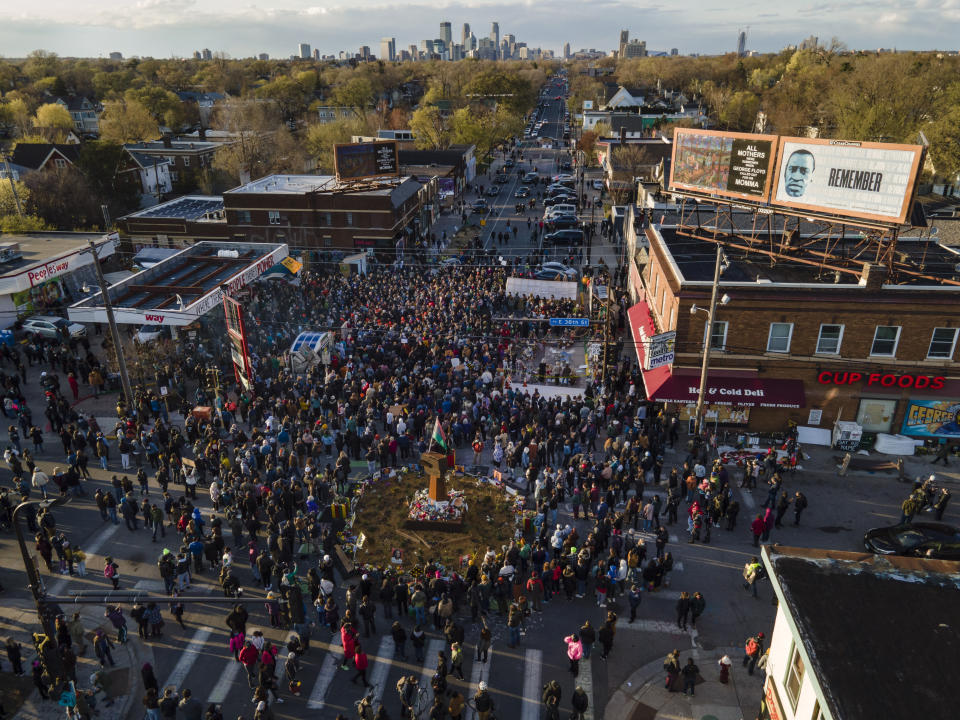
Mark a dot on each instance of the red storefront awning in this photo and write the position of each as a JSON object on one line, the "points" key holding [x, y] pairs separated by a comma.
{"points": [[723, 387], [740, 391]]}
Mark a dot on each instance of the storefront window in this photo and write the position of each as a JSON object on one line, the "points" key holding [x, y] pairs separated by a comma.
{"points": [[875, 415]]}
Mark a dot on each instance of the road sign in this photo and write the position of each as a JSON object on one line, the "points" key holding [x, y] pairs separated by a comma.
{"points": [[569, 322]]}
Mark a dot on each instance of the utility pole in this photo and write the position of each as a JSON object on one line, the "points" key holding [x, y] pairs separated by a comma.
{"points": [[114, 332], [13, 185], [705, 365]]}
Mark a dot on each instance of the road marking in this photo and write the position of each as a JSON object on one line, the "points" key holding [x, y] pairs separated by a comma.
{"points": [[188, 657], [674, 539], [663, 595], [747, 498], [654, 626], [532, 673], [381, 667], [328, 671], [222, 688], [158, 586], [430, 667], [677, 566], [480, 671], [585, 680], [92, 548]]}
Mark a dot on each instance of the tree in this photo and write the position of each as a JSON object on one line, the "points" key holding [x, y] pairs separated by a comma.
{"points": [[160, 103], [399, 119], [99, 162], [740, 112], [53, 121], [430, 128], [484, 128], [16, 225], [15, 116], [588, 145], [321, 138], [8, 202], [356, 93], [263, 144], [64, 200], [127, 121]]}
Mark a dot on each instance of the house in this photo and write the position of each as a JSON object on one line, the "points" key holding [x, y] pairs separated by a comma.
{"points": [[860, 636], [618, 96], [327, 114], [186, 158], [44, 157], [84, 113], [151, 173]]}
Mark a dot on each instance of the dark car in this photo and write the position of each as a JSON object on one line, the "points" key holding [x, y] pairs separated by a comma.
{"points": [[560, 200], [479, 206], [531, 178], [918, 539], [565, 165], [522, 193], [564, 237], [508, 163], [493, 190], [550, 275], [562, 222], [502, 178]]}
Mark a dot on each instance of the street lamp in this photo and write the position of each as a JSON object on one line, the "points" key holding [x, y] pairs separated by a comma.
{"points": [[720, 265], [44, 611]]}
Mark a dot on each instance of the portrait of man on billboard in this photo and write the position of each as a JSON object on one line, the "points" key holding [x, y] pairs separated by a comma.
{"points": [[799, 172]]}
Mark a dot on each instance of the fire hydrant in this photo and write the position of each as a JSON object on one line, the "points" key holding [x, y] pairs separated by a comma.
{"points": [[724, 664]]}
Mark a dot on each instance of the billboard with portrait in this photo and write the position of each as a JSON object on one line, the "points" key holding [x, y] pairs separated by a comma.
{"points": [[932, 418], [873, 181], [367, 159], [737, 165]]}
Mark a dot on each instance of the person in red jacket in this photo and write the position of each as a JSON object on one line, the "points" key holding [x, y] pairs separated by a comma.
{"points": [[249, 656], [360, 661], [348, 636], [756, 527]]}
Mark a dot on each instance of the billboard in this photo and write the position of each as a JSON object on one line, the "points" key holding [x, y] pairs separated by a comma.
{"points": [[737, 165], [367, 159], [873, 181], [932, 419], [659, 349]]}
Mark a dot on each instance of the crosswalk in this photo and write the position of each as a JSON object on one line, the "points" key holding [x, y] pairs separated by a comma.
{"points": [[520, 673]]}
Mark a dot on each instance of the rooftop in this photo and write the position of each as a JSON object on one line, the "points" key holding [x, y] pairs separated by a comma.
{"points": [[901, 653], [44, 246], [175, 145], [189, 207], [397, 189]]}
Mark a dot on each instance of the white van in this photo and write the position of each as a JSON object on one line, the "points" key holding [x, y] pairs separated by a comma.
{"points": [[560, 209]]}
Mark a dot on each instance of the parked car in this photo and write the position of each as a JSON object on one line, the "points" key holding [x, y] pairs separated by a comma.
{"points": [[51, 326], [570, 272], [531, 178], [917, 539], [563, 222], [149, 333], [598, 184], [568, 236], [549, 275]]}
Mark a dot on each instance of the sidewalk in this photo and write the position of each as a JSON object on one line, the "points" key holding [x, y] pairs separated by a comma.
{"points": [[643, 696], [122, 683]]}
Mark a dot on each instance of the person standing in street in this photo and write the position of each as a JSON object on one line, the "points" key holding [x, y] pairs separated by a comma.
{"points": [[940, 505], [683, 610], [690, 672], [574, 652], [799, 505], [751, 574], [672, 665], [605, 635], [360, 662], [756, 527], [697, 606], [752, 650], [634, 597]]}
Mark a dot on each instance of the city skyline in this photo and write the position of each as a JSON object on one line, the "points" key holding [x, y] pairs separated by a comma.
{"points": [[174, 28]]}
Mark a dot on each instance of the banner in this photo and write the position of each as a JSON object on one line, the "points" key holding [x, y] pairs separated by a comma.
{"points": [[659, 349], [873, 181], [731, 164], [932, 418], [362, 160]]}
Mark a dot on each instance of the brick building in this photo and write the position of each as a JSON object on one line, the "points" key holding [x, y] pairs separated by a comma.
{"points": [[315, 212], [795, 342]]}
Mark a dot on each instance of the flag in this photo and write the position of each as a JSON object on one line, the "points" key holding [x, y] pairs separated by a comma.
{"points": [[438, 437]]}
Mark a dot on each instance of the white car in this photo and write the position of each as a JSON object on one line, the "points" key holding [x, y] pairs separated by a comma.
{"points": [[570, 272], [598, 184], [149, 333], [51, 326]]}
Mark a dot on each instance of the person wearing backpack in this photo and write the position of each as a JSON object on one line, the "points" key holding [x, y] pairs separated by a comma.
{"points": [[752, 572], [111, 571], [752, 651], [483, 702]]}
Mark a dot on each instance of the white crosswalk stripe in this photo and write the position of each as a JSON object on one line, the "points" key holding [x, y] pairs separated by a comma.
{"points": [[188, 657], [479, 671], [157, 586], [328, 670], [532, 674], [92, 548], [654, 626], [222, 688], [747, 498], [381, 667], [585, 680], [430, 665]]}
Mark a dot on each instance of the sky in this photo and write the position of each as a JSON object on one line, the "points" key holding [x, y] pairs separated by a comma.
{"points": [[175, 28]]}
